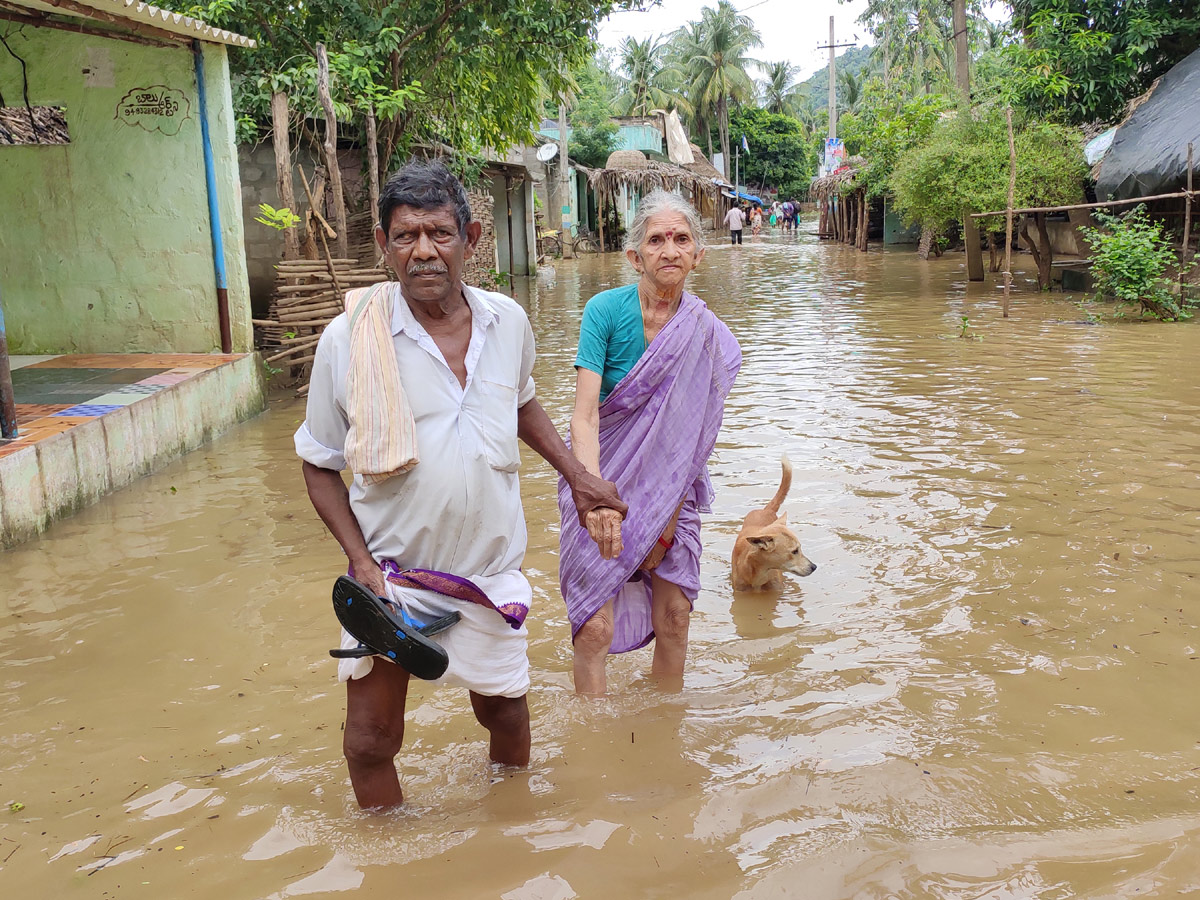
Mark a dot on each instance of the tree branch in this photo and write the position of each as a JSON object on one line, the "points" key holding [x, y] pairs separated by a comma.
{"points": [[447, 11]]}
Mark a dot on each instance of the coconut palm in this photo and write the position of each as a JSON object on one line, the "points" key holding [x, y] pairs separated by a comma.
{"points": [[849, 91], [646, 74], [778, 92], [697, 113], [713, 53], [914, 37]]}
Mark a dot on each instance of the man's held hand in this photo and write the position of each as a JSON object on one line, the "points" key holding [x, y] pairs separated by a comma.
{"points": [[590, 492]]}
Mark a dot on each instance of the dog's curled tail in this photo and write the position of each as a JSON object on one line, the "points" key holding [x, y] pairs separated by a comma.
{"points": [[785, 485]]}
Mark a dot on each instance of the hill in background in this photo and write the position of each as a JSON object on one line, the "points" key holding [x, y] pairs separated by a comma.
{"points": [[816, 88]]}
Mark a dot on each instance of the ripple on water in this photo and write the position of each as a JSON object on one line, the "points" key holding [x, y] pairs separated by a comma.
{"points": [[982, 691]]}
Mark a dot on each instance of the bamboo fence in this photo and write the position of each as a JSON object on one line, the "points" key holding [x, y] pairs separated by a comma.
{"points": [[308, 295]]}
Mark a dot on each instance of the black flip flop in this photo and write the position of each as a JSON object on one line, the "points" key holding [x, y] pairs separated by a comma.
{"points": [[385, 632]]}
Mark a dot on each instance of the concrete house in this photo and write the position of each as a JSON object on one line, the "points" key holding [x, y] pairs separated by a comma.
{"points": [[123, 293]]}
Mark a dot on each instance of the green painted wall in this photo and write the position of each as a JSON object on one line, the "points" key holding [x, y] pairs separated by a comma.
{"points": [[105, 244]]}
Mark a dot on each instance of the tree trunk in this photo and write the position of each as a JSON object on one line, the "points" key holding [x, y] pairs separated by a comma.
{"points": [[1036, 251], [723, 133], [926, 242], [283, 170], [333, 170], [600, 216], [993, 255], [373, 163], [1047, 252], [865, 220]]}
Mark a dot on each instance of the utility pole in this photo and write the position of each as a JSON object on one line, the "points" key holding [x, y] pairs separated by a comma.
{"points": [[833, 47], [962, 74], [832, 84], [962, 55], [564, 181]]}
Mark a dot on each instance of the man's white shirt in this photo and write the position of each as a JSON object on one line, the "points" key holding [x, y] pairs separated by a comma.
{"points": [[458, 509]]}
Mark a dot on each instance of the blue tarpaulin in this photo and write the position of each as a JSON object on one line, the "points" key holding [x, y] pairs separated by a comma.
{"points": [[743, 196]]}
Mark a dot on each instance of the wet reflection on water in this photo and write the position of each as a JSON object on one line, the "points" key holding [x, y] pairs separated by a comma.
{"points": [[984, 691]]}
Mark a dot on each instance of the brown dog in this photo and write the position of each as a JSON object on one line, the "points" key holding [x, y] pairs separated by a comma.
{"points": [[765, 547]]}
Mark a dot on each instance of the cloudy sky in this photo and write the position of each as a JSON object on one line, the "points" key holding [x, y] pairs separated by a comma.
{"points": [[791, 29]]}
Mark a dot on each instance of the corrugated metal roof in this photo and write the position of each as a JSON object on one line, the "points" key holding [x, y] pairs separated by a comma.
{"points": [[136, 12]]}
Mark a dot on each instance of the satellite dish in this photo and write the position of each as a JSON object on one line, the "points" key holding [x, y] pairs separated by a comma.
{"points": [[547, 152]]}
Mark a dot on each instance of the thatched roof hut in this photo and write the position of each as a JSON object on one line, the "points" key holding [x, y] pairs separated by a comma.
{"points": [[702, 166], [838, 181], [646, 175]]}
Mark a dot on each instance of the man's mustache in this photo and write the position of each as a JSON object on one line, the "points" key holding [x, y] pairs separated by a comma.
{"points": [[427, 269]]}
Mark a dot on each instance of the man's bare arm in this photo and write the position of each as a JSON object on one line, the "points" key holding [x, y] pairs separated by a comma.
{"points": [[589, 492], [331, 500]]}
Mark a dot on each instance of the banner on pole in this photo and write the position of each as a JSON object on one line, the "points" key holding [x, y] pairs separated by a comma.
{"points": [[835, 155]]}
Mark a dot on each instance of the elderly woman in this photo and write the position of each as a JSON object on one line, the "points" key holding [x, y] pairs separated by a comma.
{"points": [[653, 369]]}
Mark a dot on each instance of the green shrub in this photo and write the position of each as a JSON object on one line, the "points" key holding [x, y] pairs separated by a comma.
{"points": [[1130, 260]]}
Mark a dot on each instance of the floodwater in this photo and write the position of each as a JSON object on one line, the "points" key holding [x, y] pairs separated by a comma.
{"points": [[987, 690]]}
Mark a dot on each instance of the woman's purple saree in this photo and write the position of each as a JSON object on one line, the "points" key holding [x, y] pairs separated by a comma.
{"points": [[657, 429]]}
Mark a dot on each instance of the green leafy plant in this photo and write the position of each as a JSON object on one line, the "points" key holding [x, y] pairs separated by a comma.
{"points": [[279, 219], [1130, 260]]}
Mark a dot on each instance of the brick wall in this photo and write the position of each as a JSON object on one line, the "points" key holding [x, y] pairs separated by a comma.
{"points": [[479, 268]]}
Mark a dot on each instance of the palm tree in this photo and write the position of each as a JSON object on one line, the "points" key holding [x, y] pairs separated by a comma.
{"points": [[685, 43], [849, 91], [779, 90], [643, 65], [914, 36], [714, 54]]}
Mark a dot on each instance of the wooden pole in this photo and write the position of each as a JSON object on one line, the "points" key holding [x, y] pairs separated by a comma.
{"points": [[866, 221], [1187, 224], [283, 170], [1072, 206], [373, 163], [330, 147], [8, 401], [321, 231], [600, 215], [1008, 213], [974, 248], [564, 183]]}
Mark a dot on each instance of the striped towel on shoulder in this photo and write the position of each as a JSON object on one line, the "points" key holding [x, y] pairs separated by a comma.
{"points": [[382, 440]]}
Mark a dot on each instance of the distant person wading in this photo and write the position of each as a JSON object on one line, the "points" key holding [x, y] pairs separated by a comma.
{"points": [[736, 220]]}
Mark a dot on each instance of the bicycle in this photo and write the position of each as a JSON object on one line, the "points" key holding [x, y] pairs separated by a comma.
{"points": [[550, 242]]}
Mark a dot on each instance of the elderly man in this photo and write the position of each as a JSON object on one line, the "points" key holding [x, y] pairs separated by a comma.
{"points": [[452, 508]]}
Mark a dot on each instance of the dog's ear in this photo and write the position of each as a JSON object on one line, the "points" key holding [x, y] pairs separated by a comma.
{"points": [[762, 541], [782, 520]]}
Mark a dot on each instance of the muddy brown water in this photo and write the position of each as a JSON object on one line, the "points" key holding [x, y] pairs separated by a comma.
{"points": [[988, 688]]}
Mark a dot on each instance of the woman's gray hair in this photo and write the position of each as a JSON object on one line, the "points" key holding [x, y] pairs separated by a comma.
{"points": [[658, 202]]}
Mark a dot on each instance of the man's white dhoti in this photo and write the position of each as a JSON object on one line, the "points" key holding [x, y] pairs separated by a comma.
{"points": [[457, 511], [487, 655]]}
